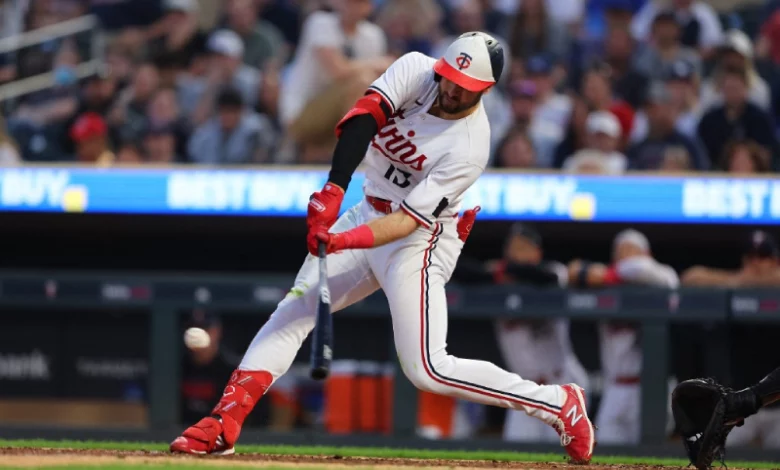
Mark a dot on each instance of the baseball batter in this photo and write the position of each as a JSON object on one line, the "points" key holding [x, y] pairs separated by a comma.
{"points": [[423, 134]]}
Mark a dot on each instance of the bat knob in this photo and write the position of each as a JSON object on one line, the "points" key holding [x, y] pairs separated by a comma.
{"points": [[319, 373]]}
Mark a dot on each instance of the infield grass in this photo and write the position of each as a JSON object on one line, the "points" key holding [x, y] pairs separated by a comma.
{"points": [[368, 452], [158, 466]]}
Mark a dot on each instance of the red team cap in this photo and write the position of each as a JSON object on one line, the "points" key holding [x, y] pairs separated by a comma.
{"points": [[474, 61], [87, 126]]}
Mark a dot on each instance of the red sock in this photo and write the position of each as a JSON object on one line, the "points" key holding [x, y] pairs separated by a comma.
{"points": [[243, 391]]}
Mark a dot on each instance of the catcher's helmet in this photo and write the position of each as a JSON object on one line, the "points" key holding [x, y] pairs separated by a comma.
{"points": [[474, 61]]}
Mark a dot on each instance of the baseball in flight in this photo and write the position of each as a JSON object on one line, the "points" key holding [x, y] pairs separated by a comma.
{"points": [[196, 338]]}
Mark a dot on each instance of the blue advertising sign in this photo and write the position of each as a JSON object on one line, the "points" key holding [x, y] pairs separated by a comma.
{"points": [[285, 193]]}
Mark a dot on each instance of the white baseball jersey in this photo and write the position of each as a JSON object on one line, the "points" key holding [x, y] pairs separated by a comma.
{"points": [[422, 162]]}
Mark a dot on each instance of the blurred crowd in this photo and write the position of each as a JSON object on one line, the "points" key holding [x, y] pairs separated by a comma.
{"points": [[591, 86]]}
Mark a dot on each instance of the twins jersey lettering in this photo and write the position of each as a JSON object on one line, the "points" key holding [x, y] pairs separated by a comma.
{"points": [[419, 161]]}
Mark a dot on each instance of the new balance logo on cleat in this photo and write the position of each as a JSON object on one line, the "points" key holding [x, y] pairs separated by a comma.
{"points": [[573, 416]]}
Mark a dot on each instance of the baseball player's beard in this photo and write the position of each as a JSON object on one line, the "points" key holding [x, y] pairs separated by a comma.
{"points": [[449, 106]]}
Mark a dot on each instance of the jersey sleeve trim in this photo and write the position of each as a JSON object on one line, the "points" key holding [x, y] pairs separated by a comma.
{"points": [[416, 215], [385, 96]]}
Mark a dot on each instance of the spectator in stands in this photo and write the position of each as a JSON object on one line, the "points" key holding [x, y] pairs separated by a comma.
{"points": [[736, 53], [98, 92], [618, 419], [413, 25], [576, 133], [465, 16], [515, 151], [177, 34], [736, 118], [262, 40], [160, 144], [759, 266], [90, 135], [682, 86], [130, 153], [523, 95], [163, 111], [235, 134], [192, 82], [341, 53], [569, 14], [120, 62], [768, 42], [701, 27], [601, 154], [128, 114], [597, 88], [169, 68], [683, 83], [268, 98], [552, 108], [665, 49], [225, 67], [538, 350], [116, 16], [746, 157], [9, 152], [661, 148], [619, 53], [54, 105], [601, 15], [544, 135], [533, 31]]}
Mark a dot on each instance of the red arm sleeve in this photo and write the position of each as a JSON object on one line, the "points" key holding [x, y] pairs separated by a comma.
{"points": [[372, 103]]}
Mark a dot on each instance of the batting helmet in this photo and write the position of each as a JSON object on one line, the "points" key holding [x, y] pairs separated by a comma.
{"points": [[474, 61]]}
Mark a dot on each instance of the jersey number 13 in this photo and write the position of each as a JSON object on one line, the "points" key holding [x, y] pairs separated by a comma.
{"points": [[400, 179]]}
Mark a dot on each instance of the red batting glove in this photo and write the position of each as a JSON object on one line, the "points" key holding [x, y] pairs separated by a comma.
{"points": [[322, 213], [324, 206], [360, 237], [466, 223]]}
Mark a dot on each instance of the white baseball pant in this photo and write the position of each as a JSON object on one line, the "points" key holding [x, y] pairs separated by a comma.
{"points": [[412, 272]]}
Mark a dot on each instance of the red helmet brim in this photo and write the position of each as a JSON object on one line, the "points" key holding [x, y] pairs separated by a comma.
{"points": [[459, 78]]}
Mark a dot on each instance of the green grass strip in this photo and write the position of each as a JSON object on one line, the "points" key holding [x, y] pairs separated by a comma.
{"points": [[378, 452], [158, 466]]}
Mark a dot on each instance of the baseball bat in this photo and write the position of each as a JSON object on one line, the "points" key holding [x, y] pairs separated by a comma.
{"points": [[322, 339]]}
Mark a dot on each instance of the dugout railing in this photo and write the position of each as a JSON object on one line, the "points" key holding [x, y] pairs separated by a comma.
{"points": [[164, 297]]}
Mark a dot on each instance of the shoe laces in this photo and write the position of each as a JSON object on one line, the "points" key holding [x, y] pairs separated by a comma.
{"points": [[561, 428]]}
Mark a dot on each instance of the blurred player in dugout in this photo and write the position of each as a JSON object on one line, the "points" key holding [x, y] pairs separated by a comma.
{"points": [[618, 418], [537, 349], [753, 347]]}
